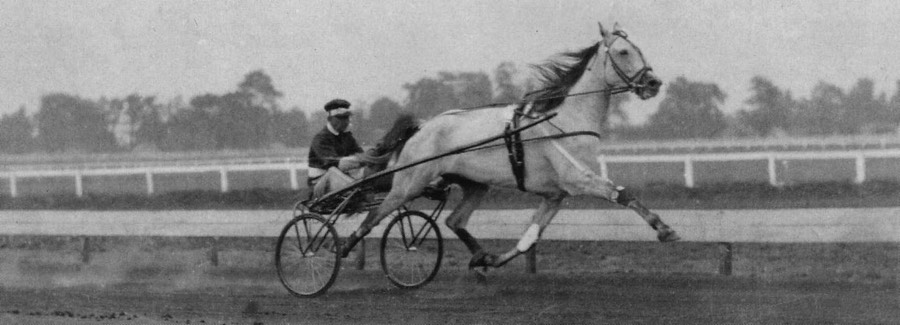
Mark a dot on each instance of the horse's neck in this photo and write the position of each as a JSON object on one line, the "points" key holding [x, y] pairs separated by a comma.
{"points": [[586, 112]]}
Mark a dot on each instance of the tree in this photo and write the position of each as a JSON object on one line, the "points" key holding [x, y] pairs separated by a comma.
{"points": [[689, 110], [152, 131], [67, 122], [316, 123], [863, 111], [15, 133], [892, 111], [507, 89], [240, 124], [259, 85], [823, 113], [429, 97], [291, 127], [770, 107], [190, 128], [383, 112]]}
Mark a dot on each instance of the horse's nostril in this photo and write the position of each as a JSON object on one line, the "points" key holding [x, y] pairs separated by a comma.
{"points": [[655, 83]]}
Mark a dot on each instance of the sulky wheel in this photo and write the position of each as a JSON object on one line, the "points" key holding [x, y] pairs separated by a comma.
{"points": [[306, 256], [411, 249]]}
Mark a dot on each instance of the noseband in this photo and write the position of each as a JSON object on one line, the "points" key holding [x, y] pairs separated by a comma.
{"points": [[632, 82]]}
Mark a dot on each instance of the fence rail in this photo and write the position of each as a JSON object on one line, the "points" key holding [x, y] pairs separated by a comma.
{"points": [[774, 167], [297, 155]]}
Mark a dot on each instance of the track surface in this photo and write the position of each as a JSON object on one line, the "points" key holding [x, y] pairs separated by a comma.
{"points": [[457, 297]]}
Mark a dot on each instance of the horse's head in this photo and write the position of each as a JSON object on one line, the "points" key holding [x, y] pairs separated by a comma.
{"points": [[625, 64]]}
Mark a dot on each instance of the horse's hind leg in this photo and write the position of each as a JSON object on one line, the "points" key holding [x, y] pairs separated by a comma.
{"points": [[473, 193], [398, 195], [542, 216]]}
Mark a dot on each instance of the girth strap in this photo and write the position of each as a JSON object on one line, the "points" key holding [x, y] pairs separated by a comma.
{"points": [[515, 148]]}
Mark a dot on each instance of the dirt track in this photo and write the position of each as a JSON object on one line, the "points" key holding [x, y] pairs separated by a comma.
{"points": [[457, 298], [577, 282]]}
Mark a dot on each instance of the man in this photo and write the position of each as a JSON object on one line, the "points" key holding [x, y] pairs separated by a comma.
{"points": [[331, 153]]}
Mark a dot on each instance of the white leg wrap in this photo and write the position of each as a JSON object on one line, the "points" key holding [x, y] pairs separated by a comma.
{"points": [[530, 237]]}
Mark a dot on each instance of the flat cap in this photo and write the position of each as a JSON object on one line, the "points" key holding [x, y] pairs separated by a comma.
{"points": [[336, 104]]}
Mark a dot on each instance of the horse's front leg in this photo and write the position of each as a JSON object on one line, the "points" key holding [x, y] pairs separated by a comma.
{"points": [[592, 184], [663, 232]]}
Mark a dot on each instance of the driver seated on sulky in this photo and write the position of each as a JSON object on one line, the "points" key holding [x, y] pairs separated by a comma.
{"points": [[332, 152]]}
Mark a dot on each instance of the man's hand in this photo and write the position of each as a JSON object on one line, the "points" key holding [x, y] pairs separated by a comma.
{"points": [[348, 163]]}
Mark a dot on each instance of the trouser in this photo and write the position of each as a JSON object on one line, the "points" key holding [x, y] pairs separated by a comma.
{"points": [[333, 179]]}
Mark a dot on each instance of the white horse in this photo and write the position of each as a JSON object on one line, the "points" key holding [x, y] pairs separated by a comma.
{"points": [[577, 89]]}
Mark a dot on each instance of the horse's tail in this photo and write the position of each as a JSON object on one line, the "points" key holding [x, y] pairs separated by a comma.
{"points": [[405, 126]]}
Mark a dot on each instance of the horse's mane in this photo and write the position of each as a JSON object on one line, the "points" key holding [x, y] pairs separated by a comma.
{"points": [[558, 75], [393, 141]]}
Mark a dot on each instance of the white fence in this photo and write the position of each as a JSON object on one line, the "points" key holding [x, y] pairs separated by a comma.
{"points": [[296, 171], [293, 169], [859, 157]]}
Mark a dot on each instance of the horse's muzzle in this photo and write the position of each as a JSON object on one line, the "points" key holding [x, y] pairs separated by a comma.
{"points": [[648, 87]]}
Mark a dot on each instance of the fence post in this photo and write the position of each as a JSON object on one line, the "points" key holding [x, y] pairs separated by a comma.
{"points": [[150, 188], [223, 178], [531, 259], [79, 185], [773, 178], [688, 172], [860, 168], [295, 185], [214, 252], [86, 250], [725, 252], [13, 188]]}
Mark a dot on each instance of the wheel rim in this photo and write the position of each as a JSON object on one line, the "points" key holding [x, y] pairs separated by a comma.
{"points": [[306, 256], [411, 250]]}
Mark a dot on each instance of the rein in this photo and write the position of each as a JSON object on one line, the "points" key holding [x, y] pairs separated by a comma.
{"points": [[477, 145], [512, 133], [631, 82]]}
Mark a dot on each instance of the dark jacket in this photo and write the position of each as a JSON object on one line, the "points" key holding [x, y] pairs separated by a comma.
{"points": [[327, 149]]}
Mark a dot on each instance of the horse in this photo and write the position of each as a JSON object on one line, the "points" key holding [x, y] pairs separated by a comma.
{"points": [[577, 86]]}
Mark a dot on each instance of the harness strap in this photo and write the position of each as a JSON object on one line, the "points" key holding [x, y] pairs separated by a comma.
{"points": [[513, 140]]}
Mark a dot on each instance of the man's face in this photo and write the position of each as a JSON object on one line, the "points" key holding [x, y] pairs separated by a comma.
{"points": [[339, 123]]}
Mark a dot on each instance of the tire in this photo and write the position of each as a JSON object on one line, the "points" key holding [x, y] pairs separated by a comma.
{"points": [[411, 250], [307, 255]]}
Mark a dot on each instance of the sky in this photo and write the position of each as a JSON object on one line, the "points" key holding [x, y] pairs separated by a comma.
{"points": [[362, 50]]}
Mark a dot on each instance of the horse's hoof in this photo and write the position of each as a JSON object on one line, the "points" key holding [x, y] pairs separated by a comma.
{"points": [[482, 259], [667, 235]]}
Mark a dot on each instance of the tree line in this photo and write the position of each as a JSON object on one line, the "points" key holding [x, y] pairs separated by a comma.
{"points": [[251, 117]]}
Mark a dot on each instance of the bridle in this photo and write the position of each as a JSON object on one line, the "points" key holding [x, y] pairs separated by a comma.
{"points": [[631, 82]]}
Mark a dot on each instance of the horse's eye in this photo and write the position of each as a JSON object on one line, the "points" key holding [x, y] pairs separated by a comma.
{"points": [[623, 52]]}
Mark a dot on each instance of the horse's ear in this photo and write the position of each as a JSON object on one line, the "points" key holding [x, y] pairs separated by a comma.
{"points": [[617, 27], [603, 33]]}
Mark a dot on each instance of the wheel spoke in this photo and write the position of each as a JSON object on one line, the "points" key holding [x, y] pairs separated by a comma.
{"points": [[411, 250], [303, 268]]}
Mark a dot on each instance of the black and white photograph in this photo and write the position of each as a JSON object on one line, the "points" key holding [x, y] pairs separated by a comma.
{"points": [[449, 162]]}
